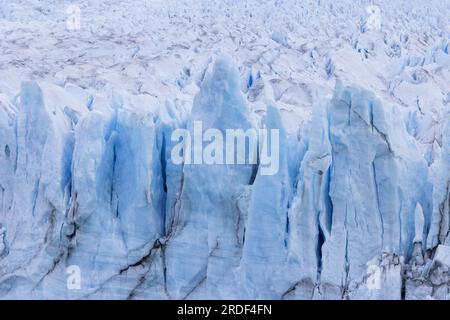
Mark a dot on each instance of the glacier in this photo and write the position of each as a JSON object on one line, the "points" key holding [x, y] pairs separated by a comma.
{"points": [[92, 205]]}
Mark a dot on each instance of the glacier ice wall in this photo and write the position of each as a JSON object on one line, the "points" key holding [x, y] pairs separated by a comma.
{"points": [[96, 188], [359, 207]]}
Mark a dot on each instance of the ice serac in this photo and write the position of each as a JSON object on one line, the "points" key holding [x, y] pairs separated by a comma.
{"points": [[118, 196], [427, 273], [39, 156], [8, 114], [310, 211], [264, 264], [83, 189], [351, 206], [440, 222], [203, 247], [365, 220], [118, 200]]}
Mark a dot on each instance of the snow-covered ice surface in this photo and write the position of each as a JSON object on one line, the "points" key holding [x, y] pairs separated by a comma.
{"points": [[360, 205]]}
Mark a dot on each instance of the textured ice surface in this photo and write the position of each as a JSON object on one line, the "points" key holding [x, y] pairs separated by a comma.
{"points": [[360, 205]]}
